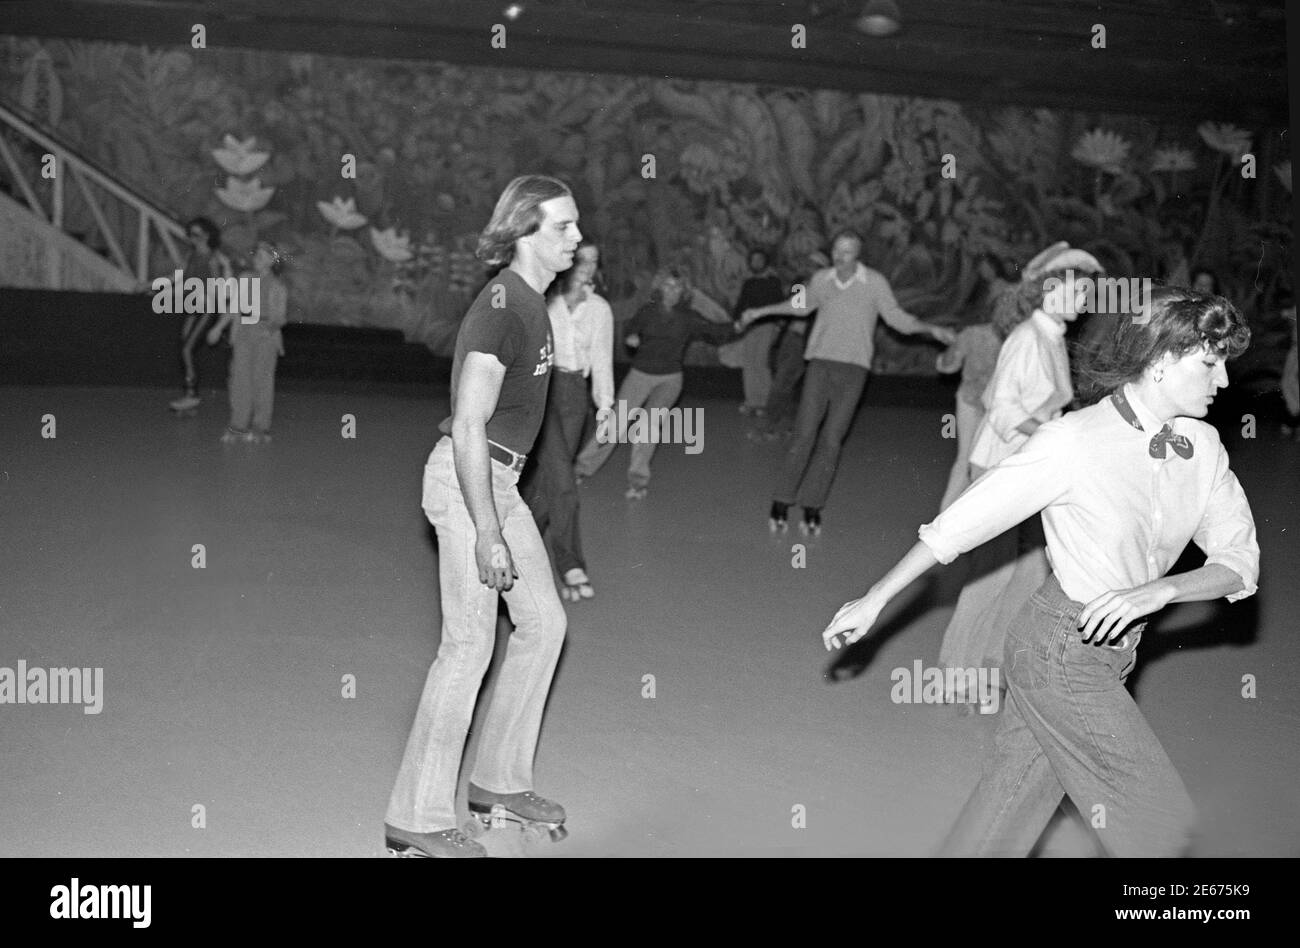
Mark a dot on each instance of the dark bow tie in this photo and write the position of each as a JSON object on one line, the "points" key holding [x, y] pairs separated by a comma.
{"points": [[1164, 438]]}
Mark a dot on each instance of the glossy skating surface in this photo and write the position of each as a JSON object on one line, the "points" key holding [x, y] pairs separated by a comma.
{"points": [[259, 706]]}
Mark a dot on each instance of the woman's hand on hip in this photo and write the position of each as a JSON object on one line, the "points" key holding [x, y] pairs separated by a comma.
{"points": [[1106, 617]]}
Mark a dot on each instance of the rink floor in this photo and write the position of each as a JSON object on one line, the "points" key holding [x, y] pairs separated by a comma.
{"points": [[223, 686]]}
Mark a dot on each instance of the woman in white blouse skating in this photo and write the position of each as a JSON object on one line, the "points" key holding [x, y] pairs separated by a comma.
{"points": [[1123, 485], [1030, 385]]}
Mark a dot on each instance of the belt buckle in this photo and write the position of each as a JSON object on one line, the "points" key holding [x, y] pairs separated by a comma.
{"points": [[517, 460]]}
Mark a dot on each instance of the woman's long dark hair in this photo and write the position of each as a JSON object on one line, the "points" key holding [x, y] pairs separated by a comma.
{"points": [[1177, 321], [211, 232], [564, 278]]}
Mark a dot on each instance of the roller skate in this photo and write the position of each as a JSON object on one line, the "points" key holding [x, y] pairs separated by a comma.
{"points": [[635, 493], [186, 406], [811, 524], [576, 585], [259, 437], [776, 519], [236, 436], [535, 815], [446, 844]]}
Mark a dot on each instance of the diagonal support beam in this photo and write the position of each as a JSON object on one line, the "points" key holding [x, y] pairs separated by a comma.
{"points": [[21, 179], [100, 221]]}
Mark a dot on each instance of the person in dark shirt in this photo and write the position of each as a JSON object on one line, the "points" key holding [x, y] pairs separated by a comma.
{"points": [[777, 420], [205, 261], [488, 543], [660, 332], [752, 353]]}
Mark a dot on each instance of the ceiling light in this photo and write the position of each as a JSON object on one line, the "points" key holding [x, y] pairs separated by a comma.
{"points": [[880, 18]]}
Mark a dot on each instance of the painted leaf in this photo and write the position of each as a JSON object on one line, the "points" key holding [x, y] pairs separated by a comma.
{"points": [[800, 144], [685, 104], [828, 107]]}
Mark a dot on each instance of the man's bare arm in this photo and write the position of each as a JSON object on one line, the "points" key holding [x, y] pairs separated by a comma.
{"points": [[477, 391]]}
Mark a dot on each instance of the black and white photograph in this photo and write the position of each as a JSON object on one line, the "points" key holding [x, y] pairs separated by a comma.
{"points": [[620, 429]]}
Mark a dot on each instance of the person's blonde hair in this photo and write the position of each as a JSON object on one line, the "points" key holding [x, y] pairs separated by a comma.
{"points": [[662, 276], [517, 214]]}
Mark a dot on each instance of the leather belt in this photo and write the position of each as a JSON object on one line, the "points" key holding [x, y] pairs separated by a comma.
{"points": [[507, 457]]}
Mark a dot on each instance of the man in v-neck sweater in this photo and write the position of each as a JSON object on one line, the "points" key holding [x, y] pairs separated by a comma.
{"points": [[848, 298]]}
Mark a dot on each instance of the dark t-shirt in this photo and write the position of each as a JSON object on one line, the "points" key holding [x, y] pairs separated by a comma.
{"points": [[518, 333], [758, 291], [665, 336]]}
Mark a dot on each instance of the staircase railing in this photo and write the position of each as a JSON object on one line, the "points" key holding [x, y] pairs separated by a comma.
{"points": [[130, 253]]}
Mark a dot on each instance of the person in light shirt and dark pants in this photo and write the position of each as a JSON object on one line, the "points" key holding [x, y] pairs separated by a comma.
{"points": [[848, 298], [1123, 485], [582, 329]]}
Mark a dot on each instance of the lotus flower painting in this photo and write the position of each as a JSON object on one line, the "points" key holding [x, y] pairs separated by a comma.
{"points": [[239, 158], [341, 213], [246, 196], [390, 246]]}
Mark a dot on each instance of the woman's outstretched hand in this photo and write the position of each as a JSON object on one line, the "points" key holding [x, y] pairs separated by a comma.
{"points": [[854, 620]]}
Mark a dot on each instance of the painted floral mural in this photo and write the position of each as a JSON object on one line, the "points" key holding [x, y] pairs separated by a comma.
{"points": [[265, 143]]}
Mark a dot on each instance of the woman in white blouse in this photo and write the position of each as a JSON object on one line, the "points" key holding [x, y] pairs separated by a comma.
{"points": [[1123, 485], [582, 335], [1030, 386]]}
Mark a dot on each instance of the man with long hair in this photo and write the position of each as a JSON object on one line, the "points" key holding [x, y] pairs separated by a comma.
{"points": [[488, 543]]}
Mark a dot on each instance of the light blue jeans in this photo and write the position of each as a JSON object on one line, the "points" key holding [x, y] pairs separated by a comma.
{"points": [[423, 799], [639, 390], [1070, 728]]}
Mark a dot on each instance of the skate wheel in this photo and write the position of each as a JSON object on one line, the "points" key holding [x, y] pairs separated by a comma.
{"points": [[558, 833], [533, 833], [403, 851], [473, 828]]}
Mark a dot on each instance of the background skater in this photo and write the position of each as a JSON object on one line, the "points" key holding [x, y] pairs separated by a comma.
{"points": [[582, 332], [205, 261], [848, 298]]}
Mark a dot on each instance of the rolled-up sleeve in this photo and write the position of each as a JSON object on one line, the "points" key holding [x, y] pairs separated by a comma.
{"points": [[1022, 485], [1227, 530]]}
